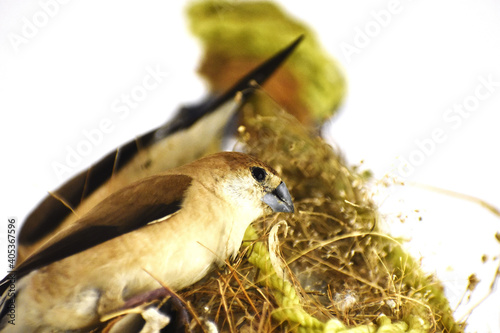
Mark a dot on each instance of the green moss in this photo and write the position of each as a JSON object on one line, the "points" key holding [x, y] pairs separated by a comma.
{"points": [[425, 287], [238, 29]]}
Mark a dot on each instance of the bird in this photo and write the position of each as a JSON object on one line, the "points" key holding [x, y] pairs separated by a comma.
{"points": [[174, 226], [183, 139]]}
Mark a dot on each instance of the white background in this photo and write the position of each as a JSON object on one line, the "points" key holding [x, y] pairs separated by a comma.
{"points": [[426, 57]]}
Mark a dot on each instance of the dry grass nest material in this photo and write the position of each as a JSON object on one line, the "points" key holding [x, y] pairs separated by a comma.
{"points": [[332, 271]]}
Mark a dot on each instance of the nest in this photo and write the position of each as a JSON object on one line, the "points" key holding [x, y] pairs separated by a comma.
{"points": [[332, 270]]}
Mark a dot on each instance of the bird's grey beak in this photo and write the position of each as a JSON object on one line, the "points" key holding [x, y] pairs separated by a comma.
{"points": [[280, 199]]}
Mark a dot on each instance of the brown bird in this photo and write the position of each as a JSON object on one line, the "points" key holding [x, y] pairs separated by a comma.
{"points": [[176, 226], [187, 137]]}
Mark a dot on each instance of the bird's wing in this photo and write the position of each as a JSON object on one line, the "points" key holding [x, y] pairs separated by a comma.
{"points": [[55, 208], [120, 213]]}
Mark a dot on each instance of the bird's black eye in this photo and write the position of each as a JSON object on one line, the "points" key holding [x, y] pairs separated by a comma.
{"points": [[258, 174]]}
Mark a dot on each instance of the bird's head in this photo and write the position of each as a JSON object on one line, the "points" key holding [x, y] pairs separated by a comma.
{"points": [[248, 183]]}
